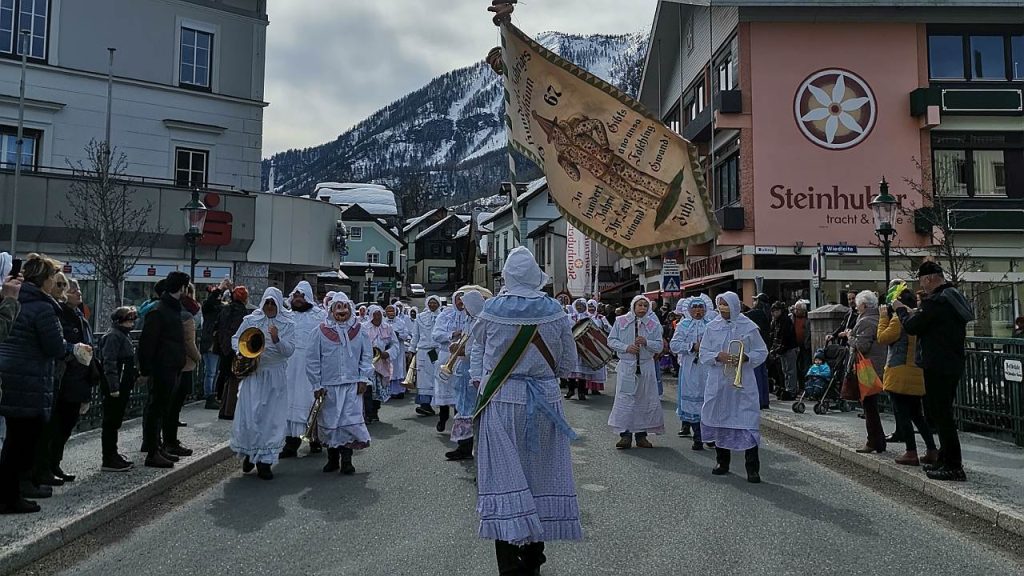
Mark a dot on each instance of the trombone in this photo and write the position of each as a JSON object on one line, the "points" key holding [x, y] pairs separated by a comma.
{"points": [[734, 367]]}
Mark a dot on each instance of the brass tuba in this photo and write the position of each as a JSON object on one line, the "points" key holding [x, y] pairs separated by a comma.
{"points": [[250, 347], [734, 367]]}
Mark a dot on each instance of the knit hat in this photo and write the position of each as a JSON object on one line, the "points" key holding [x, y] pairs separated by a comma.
{"points": [[929, 267], [240, 293], [819, 355]]}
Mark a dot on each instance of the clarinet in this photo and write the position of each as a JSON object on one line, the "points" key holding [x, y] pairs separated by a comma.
{"points": [[636, 334]]}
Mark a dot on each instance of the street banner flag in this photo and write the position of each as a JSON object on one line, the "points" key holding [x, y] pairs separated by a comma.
{"points": [[577, 261], [614, 171]]}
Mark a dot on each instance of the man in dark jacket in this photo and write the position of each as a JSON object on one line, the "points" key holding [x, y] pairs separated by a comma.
{"points": [[784, 346], [840, 336], [161, 358], [760, 314], [228, 320], [211, 356], [941, 326]]}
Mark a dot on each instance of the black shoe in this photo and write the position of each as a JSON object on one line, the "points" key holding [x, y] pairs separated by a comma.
{"points": [[893, 439], [288, 453], [157, 459], [126, 461], [30, 490], [178, 450], [58, 473], [720, 470], [753, 478], [332, 460], [263, 472], [582, 397], [20, 506], [211, 404], [933, 467], [315, 448], [595, 392], [698, 445], [425, 411], [458, 454], [948, 475], [181, 424], [47, 480], [684, 430], [115, 464], [167, 455], [347, 468], [247, 465]]}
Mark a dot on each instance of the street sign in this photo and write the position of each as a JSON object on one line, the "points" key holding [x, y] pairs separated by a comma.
{"points": [[1013, 371], [670, 283], [766, 250], [838, 249], [670, 279], [815, 282]]}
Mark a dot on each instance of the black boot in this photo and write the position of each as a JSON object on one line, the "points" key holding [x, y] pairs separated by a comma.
{"points": [[532, 556], [581, 391], [263, 471], [376, 410], [753, 463], [443, 418], [346, 462], [722, 457], [698, 444], [315, 447], [333, 454], [570, 389], [291, 447], [509, 562], [463, 452], [247, 465]]}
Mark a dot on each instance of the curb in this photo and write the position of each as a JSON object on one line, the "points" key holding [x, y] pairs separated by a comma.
{"points": [[30, 550], [1008, 520]]}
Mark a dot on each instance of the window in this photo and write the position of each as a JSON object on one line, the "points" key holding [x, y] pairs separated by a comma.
{"points": [[373, 257], [436, 275], [726, 74], [989, 172], [449, 249], [950, 168], [727, 182], [29, 147], [190, 167], [946, 57], [196, 58], [988, 58], [672, 119], [695, 101], [978, 165], [391, 257], [18, 15], [435, 249], [1017, 57], [355, 233]]}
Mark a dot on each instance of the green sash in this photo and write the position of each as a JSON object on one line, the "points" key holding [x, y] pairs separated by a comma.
{"points": [[504, 368]]}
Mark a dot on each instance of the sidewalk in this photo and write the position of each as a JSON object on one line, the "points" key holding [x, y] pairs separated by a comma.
{"points": [[994, 490], [96, 497]]}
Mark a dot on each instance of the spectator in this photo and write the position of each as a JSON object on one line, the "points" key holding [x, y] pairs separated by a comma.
{"points": [[75, 388], [1018, 327], [760, 314], [785, 348], [189, 310], [211, 358], [27, 371], [228, 320], [941, 324], [840, 336], [161, 359], [9, 309], [150, 304], [864, 339], [119, 372], [904, 381], [802, 330]]}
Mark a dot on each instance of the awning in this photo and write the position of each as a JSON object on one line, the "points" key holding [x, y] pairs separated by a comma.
{"points": [[621, 286], [708, 281]]}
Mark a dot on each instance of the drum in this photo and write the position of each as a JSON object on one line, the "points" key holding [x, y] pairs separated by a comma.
{"points": [[591, 344]]}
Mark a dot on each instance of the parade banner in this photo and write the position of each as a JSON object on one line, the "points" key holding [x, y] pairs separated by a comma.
{"points": [[577, 261], [615, 171]]}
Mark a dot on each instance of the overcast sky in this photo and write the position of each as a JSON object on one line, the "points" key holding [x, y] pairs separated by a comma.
{"points": [[332, 63]]}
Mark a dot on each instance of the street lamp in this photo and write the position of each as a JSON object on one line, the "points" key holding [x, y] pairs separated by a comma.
{"points": [[195, 220], [369, 283], [883, 208]]}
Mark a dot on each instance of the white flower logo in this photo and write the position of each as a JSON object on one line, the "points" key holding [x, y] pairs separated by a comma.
{"points": [[835, 109]]}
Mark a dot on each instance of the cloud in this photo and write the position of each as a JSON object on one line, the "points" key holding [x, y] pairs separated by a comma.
{"points": [[332, 63]]}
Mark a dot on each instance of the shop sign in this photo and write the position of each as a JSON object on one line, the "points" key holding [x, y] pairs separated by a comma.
{"points": [[1012, 371], [704, 267], [766, 250]]}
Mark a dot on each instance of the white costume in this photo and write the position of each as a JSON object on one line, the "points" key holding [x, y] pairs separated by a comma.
{"points": [[383, 338], [637, 406], [261, 415], [425, 347], [401, 329], [300, 399], [450, 321], [338, 359]]}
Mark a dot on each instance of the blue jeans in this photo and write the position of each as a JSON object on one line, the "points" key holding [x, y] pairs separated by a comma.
{"points": [[210, 362]]}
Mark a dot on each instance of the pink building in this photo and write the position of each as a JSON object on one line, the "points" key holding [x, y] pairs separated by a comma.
{"points": [[800, 108]]}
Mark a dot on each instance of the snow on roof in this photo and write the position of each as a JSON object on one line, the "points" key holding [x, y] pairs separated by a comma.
{"points": [[464, 217], [413, 222], [436, 225], [375, 199], [532, 189], [464, 231], [347, 186]]}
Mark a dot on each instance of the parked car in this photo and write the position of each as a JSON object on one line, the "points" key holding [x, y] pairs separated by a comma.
{"points": [[417, 291]]}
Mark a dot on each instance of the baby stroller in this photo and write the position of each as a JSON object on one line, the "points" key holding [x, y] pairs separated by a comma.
{"points": [[827, 396]]}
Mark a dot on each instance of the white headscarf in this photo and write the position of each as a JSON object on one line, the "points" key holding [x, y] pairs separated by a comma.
{"points": [[283, 314], [307, 293], [374, 309], [576, 314], [327, 300], [435, 298], [522, 276], [337, 297], [593, 303], [736, 315], [474, 303], [647, 319]]}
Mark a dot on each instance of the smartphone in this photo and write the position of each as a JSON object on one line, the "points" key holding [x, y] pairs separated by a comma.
{"points": [[15, 267]]}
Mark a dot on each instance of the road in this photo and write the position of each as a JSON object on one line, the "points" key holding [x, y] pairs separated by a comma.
{"points": [[646, 512]]}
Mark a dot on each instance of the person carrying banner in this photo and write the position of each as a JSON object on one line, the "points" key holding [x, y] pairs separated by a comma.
{"points": [[307, 317], [526, 491], [636, 337], [261, 414], [692, 374], [339, 365], [731, 416], [449, 331], [426, 355]]}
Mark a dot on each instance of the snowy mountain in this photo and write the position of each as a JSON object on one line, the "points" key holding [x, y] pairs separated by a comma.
{"points": [[444, 144]]}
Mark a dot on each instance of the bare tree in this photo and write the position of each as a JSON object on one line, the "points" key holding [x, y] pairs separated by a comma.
{"points": [[111, 230]]}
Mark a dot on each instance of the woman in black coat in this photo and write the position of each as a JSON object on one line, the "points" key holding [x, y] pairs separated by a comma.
{"points": [[27, 370]]}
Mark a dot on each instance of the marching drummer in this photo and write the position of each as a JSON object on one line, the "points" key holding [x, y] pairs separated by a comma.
{"points": [[340, 366]]}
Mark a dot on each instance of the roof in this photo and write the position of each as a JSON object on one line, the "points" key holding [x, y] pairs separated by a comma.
{"points": [[542, 228], [375, 199], [532, 189], [356, 213], [413, 222], [436, 225]]}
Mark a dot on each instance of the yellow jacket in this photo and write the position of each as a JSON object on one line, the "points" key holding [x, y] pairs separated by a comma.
{"points": [[902, 374]]}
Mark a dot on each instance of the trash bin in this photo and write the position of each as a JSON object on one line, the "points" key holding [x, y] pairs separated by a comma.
{"points": [[824, 321]]}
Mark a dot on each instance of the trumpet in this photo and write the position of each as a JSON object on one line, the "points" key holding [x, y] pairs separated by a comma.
{"points": [[448, 367], [734, 367], [312, 433], [410, 375], [376, 354]]}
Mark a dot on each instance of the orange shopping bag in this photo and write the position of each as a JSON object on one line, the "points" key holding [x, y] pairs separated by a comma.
{"points": [[867, 378]]}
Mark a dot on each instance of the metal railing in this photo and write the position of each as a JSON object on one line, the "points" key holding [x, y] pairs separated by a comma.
{"points": [[990, 398]]}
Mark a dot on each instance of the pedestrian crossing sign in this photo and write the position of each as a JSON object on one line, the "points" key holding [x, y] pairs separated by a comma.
{"points": [[670, 284]]}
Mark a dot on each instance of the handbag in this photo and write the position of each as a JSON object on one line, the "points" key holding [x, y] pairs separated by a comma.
{"points": [[867, 379]]}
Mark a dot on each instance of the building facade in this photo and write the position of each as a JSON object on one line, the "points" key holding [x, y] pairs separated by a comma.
{"points": [[799, 111], [370, 260]]}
